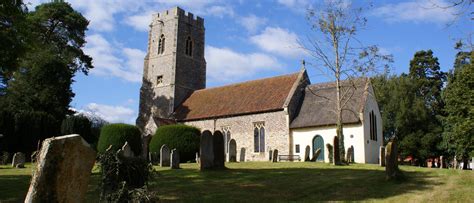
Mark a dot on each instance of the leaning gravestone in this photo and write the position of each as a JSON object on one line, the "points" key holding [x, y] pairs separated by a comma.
{"points": [[382, 156], [219, 153], [316, 155], [206, 150], [164, 156], [336, 156], [18, 160], [391, 160], [275, 155], [242, 155], [174, 159], [63, 170], [232, 151], [306, 153]]}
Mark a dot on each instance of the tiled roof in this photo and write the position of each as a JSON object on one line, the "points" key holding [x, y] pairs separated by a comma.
{"points": [[317, 108], [255, 96]]}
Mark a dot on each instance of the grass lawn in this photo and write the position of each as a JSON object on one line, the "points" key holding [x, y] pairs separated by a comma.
{"points": [[265, 181]]}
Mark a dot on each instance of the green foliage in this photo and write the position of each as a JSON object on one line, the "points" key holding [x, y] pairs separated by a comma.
{"points": [[78, 125], [184, 138], [459, 97], [116, 135]]}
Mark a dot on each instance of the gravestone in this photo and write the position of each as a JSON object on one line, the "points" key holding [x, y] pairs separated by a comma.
{"points": [[316, 155], [219, 153], [441, 162], [232, 151], [391, 160], [242, 155], [275, 155], [270, 155], [349, 155], [127, 151], [174, 159], [206, 151], [164, 156], [5, 158], [197, 157], [336, 155], [63, 170], [18, 160], [154, 158], [306, 153], [382, 156]]}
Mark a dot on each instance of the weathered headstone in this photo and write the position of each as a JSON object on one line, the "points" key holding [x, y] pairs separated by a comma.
{"points": [[391, 160], [164, 156], [275, 155], [232, 151], [349, 155], [316, 155], [18, 160], [242, 155], [336, 155], [197, 157], [4, 159], [382, 156], [154, 158], [206, 150], [441, 162], [174, 159], [63, 170], [306, 153], [219, 153]]}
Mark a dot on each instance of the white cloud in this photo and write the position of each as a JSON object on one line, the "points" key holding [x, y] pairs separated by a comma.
{"points": [[278, 41], [417, 11], [112, 114], [220, 11], [224, 64], [252, 23], [140, 22], [110, 60]]}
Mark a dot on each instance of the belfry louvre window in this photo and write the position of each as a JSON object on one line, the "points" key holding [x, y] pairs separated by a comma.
{"points": [[373, 126], [159, 79], [259, 137], [161, 44], [189, 47]]}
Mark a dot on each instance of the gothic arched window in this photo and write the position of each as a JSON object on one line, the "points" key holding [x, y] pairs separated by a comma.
{"points": [[161, 44], [189, 46], [259, 137]]}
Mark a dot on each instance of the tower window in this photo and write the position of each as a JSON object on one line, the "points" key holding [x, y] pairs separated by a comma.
{"points": [[189, 46], [161, 44], [159, 79]]}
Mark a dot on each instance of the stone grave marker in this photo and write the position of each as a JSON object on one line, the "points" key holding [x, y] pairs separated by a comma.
{"points": [[206, 151], [174, 159], [316, 155], [242, 154], [275, 155], [441, 162], [219, 153], [349, 155], [197, 157], [164, 156], [18, 160], [382, 156], [63, 170], [232, 151], [127, 151], [391, 160], [154, 158], [306, 153], [5, 158]]}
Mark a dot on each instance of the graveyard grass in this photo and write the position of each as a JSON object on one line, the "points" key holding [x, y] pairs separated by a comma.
{"points": [[265, 181]]}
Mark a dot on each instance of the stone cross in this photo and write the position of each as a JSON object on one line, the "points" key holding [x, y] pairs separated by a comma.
{"points": [[164, 156], [63, 170], [232, 151], [18, 160], [316, 155], [382, 156], [174, 159], [219, 153], [242, 155], [306, 153], [206, 151], [275, 155]]}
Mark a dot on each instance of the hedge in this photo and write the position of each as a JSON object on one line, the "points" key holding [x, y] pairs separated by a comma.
{"points": [[182, 137], [116, 135], [78, 125]]}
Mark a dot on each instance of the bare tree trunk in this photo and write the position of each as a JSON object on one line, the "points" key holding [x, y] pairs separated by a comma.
{"points": [[339, 125]]}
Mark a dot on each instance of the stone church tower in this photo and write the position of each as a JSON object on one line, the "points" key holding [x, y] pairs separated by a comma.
{"points": [[174, 66]]}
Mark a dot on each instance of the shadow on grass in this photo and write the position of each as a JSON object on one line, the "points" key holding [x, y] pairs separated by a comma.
{"points": [[13, 188], [287, 184]]}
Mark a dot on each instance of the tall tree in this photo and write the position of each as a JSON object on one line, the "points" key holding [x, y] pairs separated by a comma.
{"points": [[459, 97], [339, 55]]}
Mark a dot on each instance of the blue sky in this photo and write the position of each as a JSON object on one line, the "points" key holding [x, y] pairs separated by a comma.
{"points": [[245, 40]]}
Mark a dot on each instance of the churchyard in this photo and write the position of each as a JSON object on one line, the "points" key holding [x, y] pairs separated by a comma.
{"points": [[267, 181]]}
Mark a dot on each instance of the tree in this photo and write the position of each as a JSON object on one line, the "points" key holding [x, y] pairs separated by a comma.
{"points": [[339, 55], [459, 97]]}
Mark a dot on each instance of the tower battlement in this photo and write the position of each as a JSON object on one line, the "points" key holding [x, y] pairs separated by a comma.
{"points": [[177, 12]]}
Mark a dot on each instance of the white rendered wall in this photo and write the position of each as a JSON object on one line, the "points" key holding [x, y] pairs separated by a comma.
{"points": [[372, 146]]}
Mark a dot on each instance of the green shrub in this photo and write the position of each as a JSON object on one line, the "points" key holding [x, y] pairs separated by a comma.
{"points": [[116, 135], [78, 125], [184, 138]]}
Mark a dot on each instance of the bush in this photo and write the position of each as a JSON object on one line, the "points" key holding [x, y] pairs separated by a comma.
{"points": [[116, 135], [184, 138], [78, 125]]}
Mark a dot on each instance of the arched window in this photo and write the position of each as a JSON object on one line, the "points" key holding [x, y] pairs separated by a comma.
{"points": [[255, 140], [373, 126], [226, 133], [262, 139], [161, 44], [259, 137], [189, 46]]}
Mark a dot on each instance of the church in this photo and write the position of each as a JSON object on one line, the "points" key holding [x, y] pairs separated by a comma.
{"points": [[285, 113]]}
